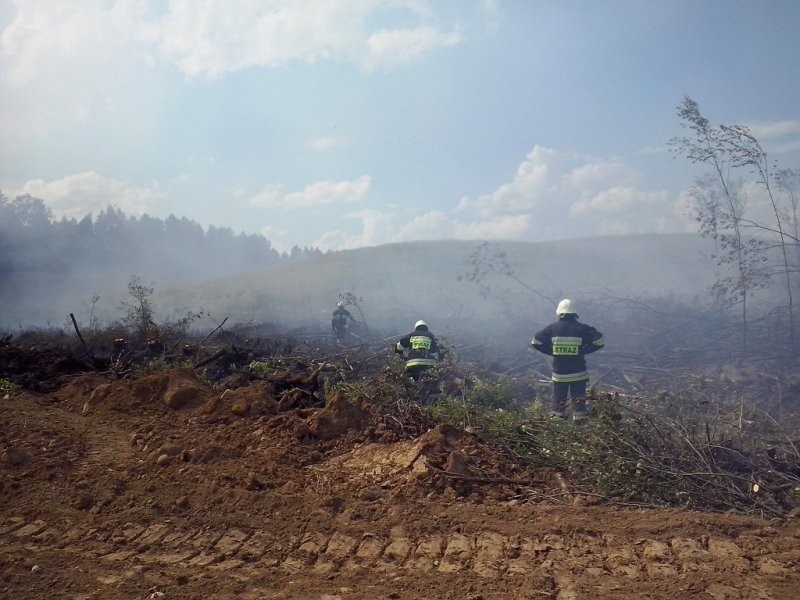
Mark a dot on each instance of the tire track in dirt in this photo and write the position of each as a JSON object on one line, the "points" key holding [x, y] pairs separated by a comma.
{"points": [[249, 510], [239, 553]]}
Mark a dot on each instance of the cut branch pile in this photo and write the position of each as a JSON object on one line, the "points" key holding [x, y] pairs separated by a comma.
{"points": [[632, 456]]}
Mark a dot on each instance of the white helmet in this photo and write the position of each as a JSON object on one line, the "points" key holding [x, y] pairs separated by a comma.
{"points": [[565, 307], [420, 323]]}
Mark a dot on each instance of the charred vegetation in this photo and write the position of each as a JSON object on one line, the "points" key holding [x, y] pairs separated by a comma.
{"points": [[706, 432]]}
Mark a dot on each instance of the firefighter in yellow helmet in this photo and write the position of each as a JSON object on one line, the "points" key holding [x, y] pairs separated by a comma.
{"points": [[568, 341]]}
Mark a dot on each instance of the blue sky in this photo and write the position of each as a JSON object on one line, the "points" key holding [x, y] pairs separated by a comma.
{"points": [[347, 123]]}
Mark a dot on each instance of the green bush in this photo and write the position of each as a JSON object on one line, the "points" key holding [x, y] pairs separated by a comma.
{"points": [[8, 387], [489, 394], [258, 368]]}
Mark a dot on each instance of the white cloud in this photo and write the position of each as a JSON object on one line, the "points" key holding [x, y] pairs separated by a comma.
{"points": [[532, 181], [328, 192], [558, 195], [388, 49], [315, 194], [82, 193], [617, 199], [211, 37], [376, 229], [276, 237], [75, 38], [208, 38], [766, 130], [510, 227], [42, 32], [756, 206], [429, 226], [436, 224], [270, 196], [238, 191], [600, 174], [324, 143], [330, 240], [270, 231], [777, 137], [69, 64], [548, 177], [553, 195]]}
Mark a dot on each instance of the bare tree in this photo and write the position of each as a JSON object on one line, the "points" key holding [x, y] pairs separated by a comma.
{"points": [[720, 211], [350, 299], [745, 151], [139, 318], [788, 181], [489, 258]]}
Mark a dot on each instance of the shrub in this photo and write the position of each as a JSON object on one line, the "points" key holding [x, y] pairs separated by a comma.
{"points": [[8, 387]]}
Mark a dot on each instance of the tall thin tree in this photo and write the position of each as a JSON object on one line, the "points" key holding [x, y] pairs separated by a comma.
{"points": [[723, 211]]}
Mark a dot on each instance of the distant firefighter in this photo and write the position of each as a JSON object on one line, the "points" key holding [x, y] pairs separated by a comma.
{"points": [[568, 341], [120, 349], [420, 350], [339, 320]]}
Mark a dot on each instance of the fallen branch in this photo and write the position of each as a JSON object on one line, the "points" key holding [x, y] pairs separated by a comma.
{"points": [[212, 332], [218, 354], [83, 342]]}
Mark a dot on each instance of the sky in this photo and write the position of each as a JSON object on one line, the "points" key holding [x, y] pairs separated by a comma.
{"points": [[347, 123]]}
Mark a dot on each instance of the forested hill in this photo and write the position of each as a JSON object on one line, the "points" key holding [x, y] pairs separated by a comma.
{"points": [[50, 268], [460, 281], [46, 263], [32, 240]]}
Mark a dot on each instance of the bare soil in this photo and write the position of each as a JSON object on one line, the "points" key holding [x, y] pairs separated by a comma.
{"points": [[162, 487]]}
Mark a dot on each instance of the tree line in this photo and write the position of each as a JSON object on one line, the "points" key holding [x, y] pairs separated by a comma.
{"points": [[44, 259], [32, 240]]}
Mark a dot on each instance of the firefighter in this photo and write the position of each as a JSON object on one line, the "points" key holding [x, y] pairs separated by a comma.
{"points": [[420, 349], [568, 341], [339, 320]]}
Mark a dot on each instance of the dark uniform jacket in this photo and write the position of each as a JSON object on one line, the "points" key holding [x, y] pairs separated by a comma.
{"points": [[568, 341], [339, 318], [423, 351]]}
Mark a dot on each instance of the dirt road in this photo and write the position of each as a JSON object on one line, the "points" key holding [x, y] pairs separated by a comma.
{"points": [[163, 488]]}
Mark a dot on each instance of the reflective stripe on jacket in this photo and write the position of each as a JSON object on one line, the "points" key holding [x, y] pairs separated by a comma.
{"points": [[422, 348], [568, 341]]}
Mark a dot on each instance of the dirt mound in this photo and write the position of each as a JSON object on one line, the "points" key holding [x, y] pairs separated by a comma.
{"points": [[164, 486]]}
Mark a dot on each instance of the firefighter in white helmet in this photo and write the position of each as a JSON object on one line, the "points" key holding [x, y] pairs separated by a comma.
{"points": [[568, 341], [420, 348], [339, 320]]}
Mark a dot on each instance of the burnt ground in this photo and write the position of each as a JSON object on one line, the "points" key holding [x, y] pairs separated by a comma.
{"points": [[165, 485]]}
